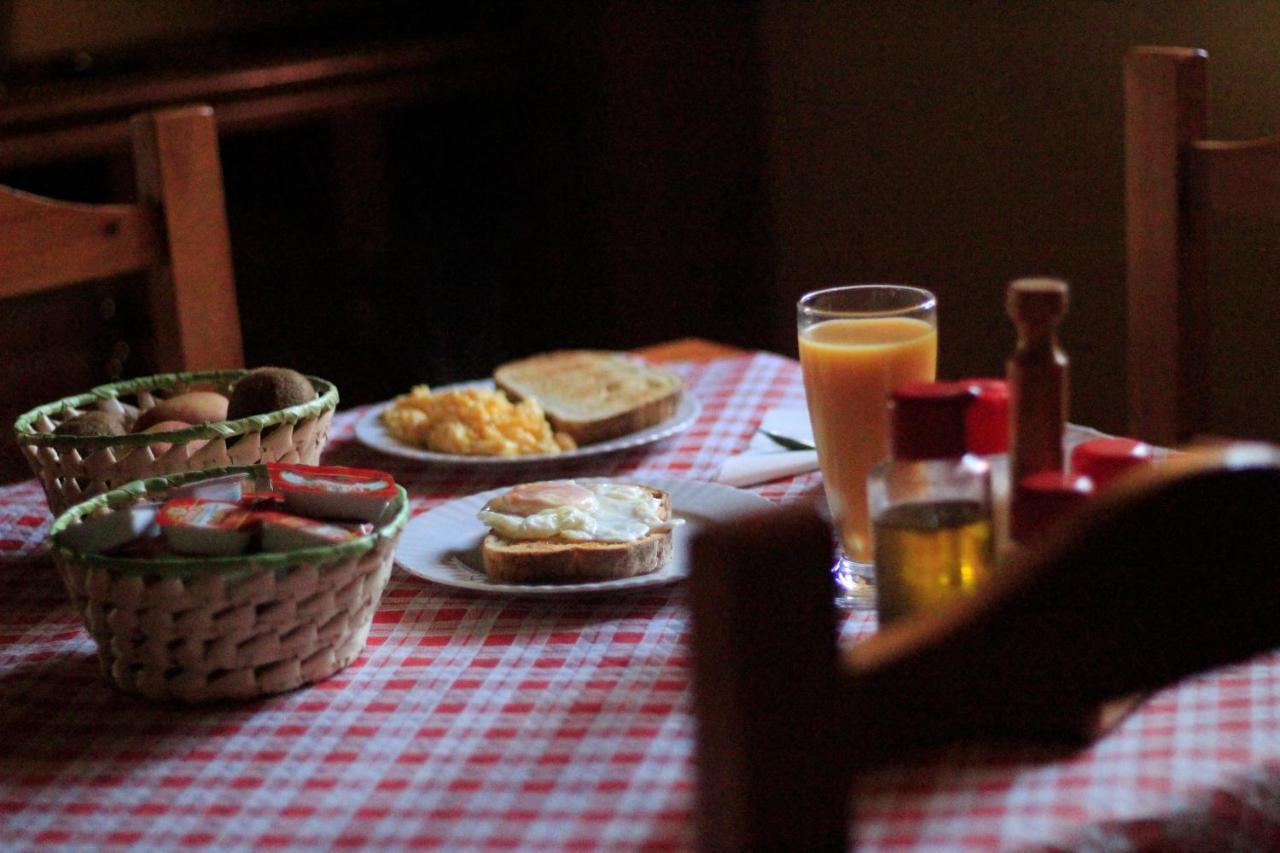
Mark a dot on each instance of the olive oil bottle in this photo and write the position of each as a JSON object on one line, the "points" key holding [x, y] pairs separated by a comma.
{"points": [[930, 505], [930, 552]]}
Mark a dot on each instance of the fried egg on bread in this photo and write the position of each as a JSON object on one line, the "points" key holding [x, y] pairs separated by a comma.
{"points": [[564, 530]]}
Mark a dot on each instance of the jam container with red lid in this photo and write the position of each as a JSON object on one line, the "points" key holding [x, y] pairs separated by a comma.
{"points": [[206, 528], [1043, 500], [281, 531], [1104, 460], [353, 494]]}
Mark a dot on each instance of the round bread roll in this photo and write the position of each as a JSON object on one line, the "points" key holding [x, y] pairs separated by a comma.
{"points": [[268, 389]]}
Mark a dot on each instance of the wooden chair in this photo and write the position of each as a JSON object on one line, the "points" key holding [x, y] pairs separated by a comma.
{"points": [[1116, 603], [176, 233], [177, 230], [1176, 182]]}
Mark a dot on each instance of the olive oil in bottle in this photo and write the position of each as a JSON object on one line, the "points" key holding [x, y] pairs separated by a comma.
{"points": [[930, 504], [928, 553]]}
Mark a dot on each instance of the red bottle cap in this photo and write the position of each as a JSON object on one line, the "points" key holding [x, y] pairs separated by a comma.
{"points": [[987, 421], [1104, 459], [928, 420], [1041, 500]]}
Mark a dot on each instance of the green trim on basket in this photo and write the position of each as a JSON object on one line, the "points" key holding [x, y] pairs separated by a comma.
{"points": [[187, 567], [326, 398]]}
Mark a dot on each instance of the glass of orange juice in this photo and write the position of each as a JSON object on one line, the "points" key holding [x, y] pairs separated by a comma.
{"points": [[857, 343]]}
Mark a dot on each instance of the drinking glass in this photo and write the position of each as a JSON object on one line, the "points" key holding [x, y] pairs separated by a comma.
{"points": [[857, 343]]}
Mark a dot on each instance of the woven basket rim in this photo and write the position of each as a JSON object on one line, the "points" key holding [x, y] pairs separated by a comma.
{"points": [[186, 567], [326, 398]]}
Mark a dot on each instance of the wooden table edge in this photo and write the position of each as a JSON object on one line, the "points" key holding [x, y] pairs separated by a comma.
{"points": [[689, 349]]}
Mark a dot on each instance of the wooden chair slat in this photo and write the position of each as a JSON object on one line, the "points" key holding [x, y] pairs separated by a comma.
{"points": [[1241, 178], [46, 243], [1165, 108], [193, 293], [1178, 182]]}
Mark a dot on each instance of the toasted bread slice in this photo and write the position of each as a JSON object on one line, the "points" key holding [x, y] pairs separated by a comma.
{"points": [[560, 560], [593, 395]]}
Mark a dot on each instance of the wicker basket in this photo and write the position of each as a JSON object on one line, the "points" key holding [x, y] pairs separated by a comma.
{"points": [[212, 628], [72, 468]]}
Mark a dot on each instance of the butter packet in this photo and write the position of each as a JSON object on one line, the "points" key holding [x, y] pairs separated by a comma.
{"points": [[109, 532]]}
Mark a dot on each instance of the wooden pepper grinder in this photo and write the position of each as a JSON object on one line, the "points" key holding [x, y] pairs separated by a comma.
{"points": [[1037, 378]]}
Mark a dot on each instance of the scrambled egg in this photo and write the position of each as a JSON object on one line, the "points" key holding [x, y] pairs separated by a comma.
{"points": [[472, 421]]}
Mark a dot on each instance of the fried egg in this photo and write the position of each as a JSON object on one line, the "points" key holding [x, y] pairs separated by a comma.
{"points": [[582, 512]]}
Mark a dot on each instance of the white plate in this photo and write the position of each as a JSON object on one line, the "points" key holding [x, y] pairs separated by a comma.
{"points": [[371, 433], [443, 545]]}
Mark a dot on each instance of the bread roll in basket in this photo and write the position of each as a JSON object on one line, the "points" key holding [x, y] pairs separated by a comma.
{"points": [[72, 468]]}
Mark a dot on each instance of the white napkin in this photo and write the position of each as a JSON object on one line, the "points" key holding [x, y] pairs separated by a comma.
{"points": [[764, 459]]}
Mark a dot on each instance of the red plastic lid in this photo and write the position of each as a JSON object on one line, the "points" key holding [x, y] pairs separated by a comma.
{"points": [[929, 420], [987, 421], [1041, 500], [1104, 459]]}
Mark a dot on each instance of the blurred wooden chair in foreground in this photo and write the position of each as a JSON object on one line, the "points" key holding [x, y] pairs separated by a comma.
{"points": [[1177, 184], [1169, 577], [175, 233]]}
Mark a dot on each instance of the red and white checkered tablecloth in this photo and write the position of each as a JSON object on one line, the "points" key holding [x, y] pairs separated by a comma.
{"points": [[474, 722]]}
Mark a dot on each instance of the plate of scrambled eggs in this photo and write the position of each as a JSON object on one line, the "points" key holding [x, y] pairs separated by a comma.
{"points": [[474, 423]]}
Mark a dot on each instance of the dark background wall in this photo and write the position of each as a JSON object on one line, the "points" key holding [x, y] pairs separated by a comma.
{"points": [[632, 172], [964, 144]]}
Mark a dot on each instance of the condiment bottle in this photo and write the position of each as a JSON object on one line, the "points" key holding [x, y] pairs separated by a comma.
{"points": [[930, 504], [987, 418], [1038, 386], [1102, 460], [987, 436], [1045, 498]]}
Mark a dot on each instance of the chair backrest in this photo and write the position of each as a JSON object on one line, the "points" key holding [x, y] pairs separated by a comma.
{"points": [[1114, 604], [175, 232], [1176, 182]]}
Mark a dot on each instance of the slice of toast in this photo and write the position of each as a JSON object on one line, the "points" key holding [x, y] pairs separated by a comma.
{"points": [[593, 395], [560, 560]]}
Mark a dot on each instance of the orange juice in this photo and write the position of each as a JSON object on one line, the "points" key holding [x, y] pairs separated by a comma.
{"points": [[850, 366]]}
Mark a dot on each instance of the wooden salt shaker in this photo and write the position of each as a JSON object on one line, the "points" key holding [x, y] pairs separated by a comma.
{"points": [[1037, 373]]}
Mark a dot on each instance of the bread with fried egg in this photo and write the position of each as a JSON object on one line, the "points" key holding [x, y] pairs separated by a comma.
{"points": [[559, 559]]}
